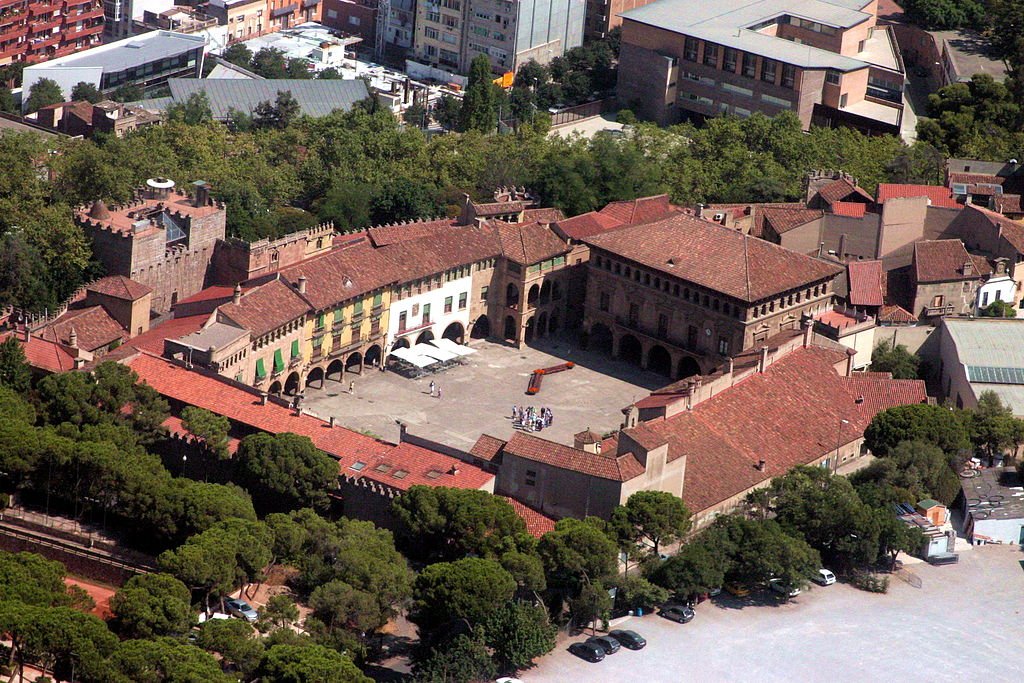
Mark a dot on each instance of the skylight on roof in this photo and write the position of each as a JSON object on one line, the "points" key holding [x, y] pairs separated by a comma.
{"points": [[400, 474], [383, 467], [433, 474], [358, 466]]}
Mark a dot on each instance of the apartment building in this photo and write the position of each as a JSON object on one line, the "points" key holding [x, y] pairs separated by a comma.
{"points": [[451, 33], [828, 62], [37, 30], [250, 18]]}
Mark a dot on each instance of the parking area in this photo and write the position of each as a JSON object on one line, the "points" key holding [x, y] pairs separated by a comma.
{"points": [[477, 397], [964, 623]]}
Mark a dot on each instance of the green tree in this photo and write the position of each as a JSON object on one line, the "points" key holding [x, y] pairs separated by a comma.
{"points": [[285, 472], [993, 426], [592, 603], [308, 664], [655, 517], [914, 470], [339, 605], [193, 111], [43, 93], [278, 114], [637, 592], [210, 428], [86, 91], [519, 633], [945, 14], [698, 568], [128, 92], [920, 422], [7, 103], [164, 660], [270, 63], [447, 111], [31, 579], [471, 589], [279, 612], [576, 553], [478, 110], [235, 641], [464, 658], [298, 68], [447, 523], [150, 605], [416, 115], [238, 54], [896, 360], [15, 373], [330, 73], [762, 550], [998, 309]]}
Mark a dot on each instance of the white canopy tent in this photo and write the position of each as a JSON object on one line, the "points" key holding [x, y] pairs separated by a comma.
{"points": [[434, 352], [449, 345], [413, 358]]}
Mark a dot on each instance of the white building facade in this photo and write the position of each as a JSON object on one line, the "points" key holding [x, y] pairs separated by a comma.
{"points": [[431, 307]]}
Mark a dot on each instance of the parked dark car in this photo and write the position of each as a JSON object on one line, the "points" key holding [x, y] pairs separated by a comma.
{"points": [[680, 613], [606, 643], [629, 639], [588, 651]]}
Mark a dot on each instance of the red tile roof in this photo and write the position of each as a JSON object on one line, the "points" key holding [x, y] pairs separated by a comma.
{"points": [[588, 224], [242, 406], [210, 294], [1010, 230], [498, 208], [343, 273], [895, 314], [383, 235], [1008, 203], [544, 216], [175, 427], [528, 243], [487, 447], [267, 307], [174, 328], [782, 220], [854, 209], [93, 325], [537, 523], [865, 283], [640, 210], [42, 354], [944, 260], [837, 319], [120, 287], [788, 415], [840, 189], [972, 178], [936, 194], [716, 257], [603, 465]]}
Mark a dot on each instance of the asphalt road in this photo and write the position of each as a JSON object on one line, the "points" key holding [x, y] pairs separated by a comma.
{"points": [[965, 623]]}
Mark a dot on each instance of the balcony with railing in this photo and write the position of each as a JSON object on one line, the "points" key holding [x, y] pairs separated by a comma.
{"points": [[938, 310], [45, 8], [45, 24]]}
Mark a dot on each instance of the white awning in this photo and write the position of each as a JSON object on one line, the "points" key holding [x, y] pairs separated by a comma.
{"points": [[414, 358], [434, 352], [449, 345]]}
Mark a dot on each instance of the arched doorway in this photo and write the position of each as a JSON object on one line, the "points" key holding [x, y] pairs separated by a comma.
{"points": [[600, 339], [659, 361], [455, 331], [688, 367], [553, 323], [372, 356], [545, 292], [292, 384], [630, 349], [531, 298], [315, 375], [425, 336], [510, 328], [528, 336], [335, 370], [511, 295], [556, 291], [275, 389], [400, 343], [542, 324], [354, 363], [481, 328]]}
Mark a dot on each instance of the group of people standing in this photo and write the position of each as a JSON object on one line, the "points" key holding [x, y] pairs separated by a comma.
{"points": [[532, 419]]}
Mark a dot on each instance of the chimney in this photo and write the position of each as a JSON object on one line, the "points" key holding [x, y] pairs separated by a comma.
{"points": [[821, 249], [808, 331], [454, 470], [73, 339], [236, 297], [332, 421], [700, 210], [263, 398], [79, 363], [763, 364], [202, 193], [760, 465], [401, 431], [968, 267], [860, 399], [841, 251], [302, 284]]}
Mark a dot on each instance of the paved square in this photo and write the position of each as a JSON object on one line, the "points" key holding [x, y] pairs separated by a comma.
{"points": [[965, 623], [478, 397]]}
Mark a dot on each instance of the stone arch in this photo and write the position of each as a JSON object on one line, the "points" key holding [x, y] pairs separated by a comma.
{"points": [[545, 292], [688, 367], [511, 295], [542, 324], [316, 375], [630, 349], [659, 360], [292, 384], [352, 361], [481, 328], [528, 335], [373, 355], [276, 388], [337, 369], [455, 331], [532, 296], [400, 343], [425, 336], [510, 328], [601, 339], [553, 323]]}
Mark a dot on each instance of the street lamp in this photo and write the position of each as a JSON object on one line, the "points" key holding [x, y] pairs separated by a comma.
{"points": [[839, 437]]}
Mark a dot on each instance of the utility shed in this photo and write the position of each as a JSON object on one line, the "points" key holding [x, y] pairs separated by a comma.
{"points": [[993, 506]]}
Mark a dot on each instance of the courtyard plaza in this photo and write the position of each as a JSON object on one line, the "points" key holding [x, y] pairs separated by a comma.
{"points": [[477, 396]]}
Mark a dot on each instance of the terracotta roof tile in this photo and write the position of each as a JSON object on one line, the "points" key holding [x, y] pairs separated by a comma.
{"points": [[487, 447], [527, 243], [840, 189], [120, 287], [175, 328], [498, 208], [787, 416], [1008, 203], [710, 255], [782, 220], [1010, 230], [588, 224], [266, 308], [398, 466], [896, 315], [42, 354], [944, 260], [544, 216], [972, 178], [93, 325], [936, 194], [342, 274], [640, 210], [537, 523], [865, 283], [383, 235], [603, 465], [854, 209]]}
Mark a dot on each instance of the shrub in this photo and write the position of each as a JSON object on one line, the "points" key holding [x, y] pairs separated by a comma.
{"points": [[872, 583]]}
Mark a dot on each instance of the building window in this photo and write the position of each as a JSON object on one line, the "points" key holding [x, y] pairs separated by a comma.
{"points": [[788, 75], [729, 59], [430, 32], [403, 321], [604, 301], [711, 54], [937, 300], [483, 293], [426, 314], [531, 477], [448, 304], [723, 346], [749, 65], [462, 300], [832, 76], [662, 325], [634, 314], [768, 68], [690, 49]]}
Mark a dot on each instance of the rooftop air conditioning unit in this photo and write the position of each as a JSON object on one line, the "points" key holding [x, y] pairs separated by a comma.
{"points": [[719, 217]]}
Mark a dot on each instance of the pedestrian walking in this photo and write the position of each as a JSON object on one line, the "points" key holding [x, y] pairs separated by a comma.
{"points": [[439, 392], [432, 385], [352, 387]]}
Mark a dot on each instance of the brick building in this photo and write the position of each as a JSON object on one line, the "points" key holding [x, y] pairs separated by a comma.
{"points": [[86, 119], [37, 30], [827, 62], [163, 239], [682, 295], [946, 278], [247, 19]]}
